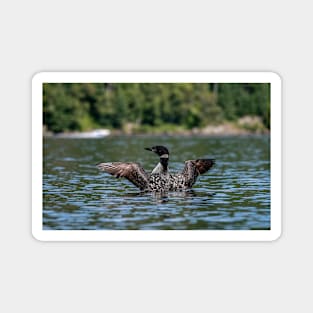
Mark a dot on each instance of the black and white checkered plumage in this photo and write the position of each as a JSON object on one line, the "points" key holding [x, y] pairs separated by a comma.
{"points": [[160, 179]]}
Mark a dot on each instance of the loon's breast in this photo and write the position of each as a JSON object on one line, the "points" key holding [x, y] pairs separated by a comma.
{"points": [[159, 169]]}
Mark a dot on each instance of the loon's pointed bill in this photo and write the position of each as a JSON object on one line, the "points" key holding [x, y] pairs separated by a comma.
{"points": [[160, 179]]}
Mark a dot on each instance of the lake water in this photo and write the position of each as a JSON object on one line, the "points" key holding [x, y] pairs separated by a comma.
{"points": [[234, 194]]}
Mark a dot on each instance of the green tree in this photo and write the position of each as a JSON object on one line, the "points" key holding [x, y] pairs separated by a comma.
{"points": [[88, 105]]}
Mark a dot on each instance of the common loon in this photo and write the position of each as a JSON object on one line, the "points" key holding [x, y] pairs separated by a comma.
{"points": [[160, 179]]}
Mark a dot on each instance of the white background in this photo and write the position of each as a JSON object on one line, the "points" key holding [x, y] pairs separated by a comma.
{"points": [[155, 36]]}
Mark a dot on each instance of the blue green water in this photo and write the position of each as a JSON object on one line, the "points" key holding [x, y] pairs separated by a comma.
{"points": [[234, 194]]}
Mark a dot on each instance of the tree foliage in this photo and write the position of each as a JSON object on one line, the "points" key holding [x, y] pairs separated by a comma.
{"points": [[83, 106]]}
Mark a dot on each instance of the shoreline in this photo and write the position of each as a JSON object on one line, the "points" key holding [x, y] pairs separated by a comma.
{"points": [[209, 131], [247, 125]]}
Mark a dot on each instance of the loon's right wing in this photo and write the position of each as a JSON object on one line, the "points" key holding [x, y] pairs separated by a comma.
{"points": [[203, 165], [194, 168], [131, 171]]}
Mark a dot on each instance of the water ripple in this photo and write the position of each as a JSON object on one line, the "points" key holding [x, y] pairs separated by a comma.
{"points": [[235, 194]]}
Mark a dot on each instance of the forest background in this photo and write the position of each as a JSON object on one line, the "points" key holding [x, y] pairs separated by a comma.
{"points": [[155, 108]]}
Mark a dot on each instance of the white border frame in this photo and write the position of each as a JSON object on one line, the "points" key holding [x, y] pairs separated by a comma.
{"points": [[156, 235]]}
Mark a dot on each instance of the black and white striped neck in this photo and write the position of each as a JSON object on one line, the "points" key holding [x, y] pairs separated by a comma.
{"points": [[162, 167], [164, 163]]}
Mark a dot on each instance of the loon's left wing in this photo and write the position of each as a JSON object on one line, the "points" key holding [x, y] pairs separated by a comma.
{"points": [[131, 171]]}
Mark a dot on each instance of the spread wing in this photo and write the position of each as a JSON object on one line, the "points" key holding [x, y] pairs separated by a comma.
{"points": [[203, 165], [131, 171], [194, 168]]}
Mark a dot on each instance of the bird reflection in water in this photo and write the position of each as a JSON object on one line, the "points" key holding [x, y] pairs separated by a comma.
{"points": [[163, 197]]}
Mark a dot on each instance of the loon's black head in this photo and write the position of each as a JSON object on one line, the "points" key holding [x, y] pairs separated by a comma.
{"points": [[161, 151]]}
